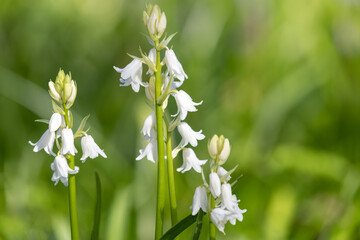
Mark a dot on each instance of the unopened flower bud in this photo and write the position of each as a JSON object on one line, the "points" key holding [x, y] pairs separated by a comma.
{"points": [[225, 152], [161, 26], [67, 91], [156, 22], [145, 18], [72, 97], [60, 78], [215, 184], [150, 89], [220, 143], [212, 146], [53, 93]]}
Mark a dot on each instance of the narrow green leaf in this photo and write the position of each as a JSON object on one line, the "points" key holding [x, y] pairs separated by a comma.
{"points": [[179, 228], [198, 226], [96, 225]]}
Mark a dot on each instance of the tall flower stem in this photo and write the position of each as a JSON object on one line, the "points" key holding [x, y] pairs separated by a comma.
{"points": [[212, 229], [72, 201], [170, 169], [72, 189], [160, 203]]}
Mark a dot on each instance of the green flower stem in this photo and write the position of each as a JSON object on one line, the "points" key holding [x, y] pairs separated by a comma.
{"points": [[72, 201], [160, 203], [72, 190], [171, 184], [212, 229]]}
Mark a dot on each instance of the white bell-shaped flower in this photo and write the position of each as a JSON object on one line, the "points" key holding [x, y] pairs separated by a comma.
{"points": [[55, 122], [188, 135], [227, 197], [184, 104], [46, 142], [215, 184], [219, 217], [150, 151], [149, 125], [90, 148], [132, 75], [190, 161], [199, 200], [236, 214], [67, 139], [61, 170], [174, 66]]}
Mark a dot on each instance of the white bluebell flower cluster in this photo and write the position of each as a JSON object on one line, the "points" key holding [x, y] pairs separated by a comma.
{"points": [[226, 208], [172, 79], [63, 92]]}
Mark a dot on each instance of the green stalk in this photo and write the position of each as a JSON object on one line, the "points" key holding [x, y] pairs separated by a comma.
{"points": [[160, 203], [170, 168], [72, 201], [212, 229], [72, 190]]}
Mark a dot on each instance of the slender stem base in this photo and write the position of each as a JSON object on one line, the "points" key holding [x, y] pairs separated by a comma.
{"points": [[170, 168], [212, 229], [160, 203], [72, 202]]}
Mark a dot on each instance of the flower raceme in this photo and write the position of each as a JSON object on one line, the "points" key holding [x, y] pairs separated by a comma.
{"points": [[63, 91]]}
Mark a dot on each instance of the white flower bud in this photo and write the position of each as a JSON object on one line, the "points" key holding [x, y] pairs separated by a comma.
{"points": [[220, 143], [215, 185], [212, 146], [71, 99], [162, 24], [53, 93], [225, 152]]}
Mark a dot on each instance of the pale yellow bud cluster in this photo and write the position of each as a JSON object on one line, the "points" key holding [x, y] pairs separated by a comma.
{"points": [[155, 21], [63, 90], [219, 149]]}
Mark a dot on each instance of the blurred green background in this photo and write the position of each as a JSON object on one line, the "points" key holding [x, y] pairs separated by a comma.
{"points": [[280, 79]]}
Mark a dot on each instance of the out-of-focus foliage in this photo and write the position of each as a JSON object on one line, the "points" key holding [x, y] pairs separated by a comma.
{"points": [[280, 79]]}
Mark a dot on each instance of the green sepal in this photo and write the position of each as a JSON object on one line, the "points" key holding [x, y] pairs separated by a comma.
{"points": [[132, 56], [82, 125], [42, 121], [57, 108], [223, 178], [165, 93], [173, 124], [147, 61], [71, 119], [163, 44], [97, 213]]}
